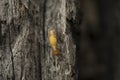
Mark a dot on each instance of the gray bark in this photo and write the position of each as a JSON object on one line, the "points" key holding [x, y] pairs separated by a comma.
{"points": [[25, 53]]}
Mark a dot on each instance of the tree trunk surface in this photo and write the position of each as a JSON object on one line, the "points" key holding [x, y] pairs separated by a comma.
{"points": [[25, 52]]}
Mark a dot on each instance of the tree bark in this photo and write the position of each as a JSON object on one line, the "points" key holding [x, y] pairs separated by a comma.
{"points": [[25, 53]]}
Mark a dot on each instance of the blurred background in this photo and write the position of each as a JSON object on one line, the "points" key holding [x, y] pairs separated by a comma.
{"points": [[100, 40]]}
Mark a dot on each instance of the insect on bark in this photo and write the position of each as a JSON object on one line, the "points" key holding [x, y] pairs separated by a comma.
{"points": [[53, 40]]}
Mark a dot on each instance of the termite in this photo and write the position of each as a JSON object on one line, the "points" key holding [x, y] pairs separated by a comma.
{"points": [[53, 40]]}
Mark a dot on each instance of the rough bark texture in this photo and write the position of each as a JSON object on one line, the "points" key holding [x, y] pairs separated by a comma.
{"points": [[61, 67], [25, 53]]}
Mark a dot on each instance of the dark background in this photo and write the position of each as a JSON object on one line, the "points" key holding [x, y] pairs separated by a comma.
{"points": [[100, 40]]}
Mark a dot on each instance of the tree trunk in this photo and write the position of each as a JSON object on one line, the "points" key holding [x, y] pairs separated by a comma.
{"points": [[25, 52]]}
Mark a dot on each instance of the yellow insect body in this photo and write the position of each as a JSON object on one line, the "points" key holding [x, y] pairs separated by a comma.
{"points": [[53, 41]]}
